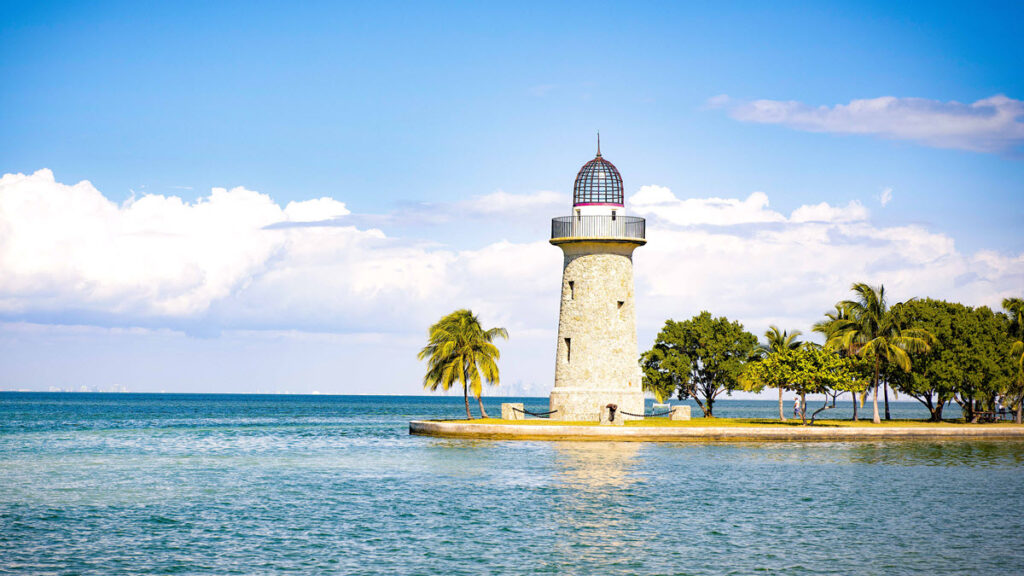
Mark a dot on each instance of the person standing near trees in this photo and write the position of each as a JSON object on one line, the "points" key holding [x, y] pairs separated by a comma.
{"points": [[796, 407]]}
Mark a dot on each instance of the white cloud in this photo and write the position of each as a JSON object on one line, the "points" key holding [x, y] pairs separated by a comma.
{"points": [[660, 201], [68, 249], [64, 246], [885, 197], [69, 255], [792, 274], [824, 212], [711, 254], [994, 124], [317, 210]]}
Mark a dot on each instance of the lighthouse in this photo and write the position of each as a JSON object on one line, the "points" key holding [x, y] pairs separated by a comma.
{"points": [[596, 368]]}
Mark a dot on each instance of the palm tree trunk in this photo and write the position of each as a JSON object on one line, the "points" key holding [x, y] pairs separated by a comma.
{"points": [[483, 413], [874, 400], [465, 396], [803, 408], [886, 389], [782, 413], [855, 418]]}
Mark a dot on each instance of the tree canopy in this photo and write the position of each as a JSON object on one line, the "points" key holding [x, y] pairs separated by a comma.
{"points": [[934, 351], [698, 358], [1015, 393], [967, 361], [460, 351], [805, 370], [778, 340], [869, 330]]}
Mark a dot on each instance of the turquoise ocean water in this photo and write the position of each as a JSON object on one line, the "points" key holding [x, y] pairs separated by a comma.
{"points": [[222, 484]]}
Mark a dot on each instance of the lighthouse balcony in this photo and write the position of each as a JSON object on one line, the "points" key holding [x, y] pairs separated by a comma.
{"points": [[598, 228]]}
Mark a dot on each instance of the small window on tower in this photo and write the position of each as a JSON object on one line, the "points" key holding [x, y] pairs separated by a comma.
{"points": [[621, 302], [568, 349], [613, 215], [572, 290]]}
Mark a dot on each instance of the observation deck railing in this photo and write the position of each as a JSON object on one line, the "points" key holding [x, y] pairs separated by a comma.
{"points": [[604, 227]]}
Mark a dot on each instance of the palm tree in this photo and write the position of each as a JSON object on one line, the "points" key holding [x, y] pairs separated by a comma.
{"points": [[828, 327], [871, 331], [1015, 306], [460, 350], [777, 342]]}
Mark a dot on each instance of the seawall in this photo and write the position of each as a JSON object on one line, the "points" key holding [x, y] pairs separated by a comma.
{"points": [[703, 433]]}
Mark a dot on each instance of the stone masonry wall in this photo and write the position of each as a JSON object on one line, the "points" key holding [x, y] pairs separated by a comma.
{"points": [[597, 347]]}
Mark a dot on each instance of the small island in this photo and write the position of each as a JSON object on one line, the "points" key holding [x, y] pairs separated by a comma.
{"points": [[938, 353]]}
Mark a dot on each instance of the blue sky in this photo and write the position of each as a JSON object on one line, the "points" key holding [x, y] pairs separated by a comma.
{"points": [[414, 116]]}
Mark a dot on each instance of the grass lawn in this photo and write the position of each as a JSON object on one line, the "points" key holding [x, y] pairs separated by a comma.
{"points": [[740, 423]]}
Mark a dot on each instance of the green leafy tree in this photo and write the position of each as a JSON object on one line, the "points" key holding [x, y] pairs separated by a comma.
{"points": [[829, 326], [827, 372], [778, 340], [772, 370], [1015, 392], [665, 367], [871, 331], [699, 358], [460, 351], [661, 387], [966, 361], [806, 370], [986, 370]]}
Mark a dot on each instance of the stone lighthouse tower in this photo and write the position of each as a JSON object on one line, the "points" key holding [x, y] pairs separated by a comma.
{"points": [[597, 348]]}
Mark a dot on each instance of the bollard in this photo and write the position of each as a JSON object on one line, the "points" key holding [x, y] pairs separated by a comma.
{"points": [[610, 415], [508, 411]]}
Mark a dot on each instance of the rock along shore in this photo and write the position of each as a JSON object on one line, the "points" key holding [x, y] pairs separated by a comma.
{"points": [[698, 433]]}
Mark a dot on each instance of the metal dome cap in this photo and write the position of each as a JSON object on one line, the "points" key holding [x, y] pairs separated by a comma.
{"points": [[598, 182]]}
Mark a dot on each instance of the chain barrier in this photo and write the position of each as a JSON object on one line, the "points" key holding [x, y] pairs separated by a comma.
{"points": [[537, 414], [623, 412], [654, 415]]}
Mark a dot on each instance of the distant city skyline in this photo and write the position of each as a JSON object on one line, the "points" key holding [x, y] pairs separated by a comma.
{"points": [[221, 197]]}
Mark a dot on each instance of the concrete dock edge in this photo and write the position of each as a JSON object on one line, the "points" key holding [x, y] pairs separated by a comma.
{"points": [[698, 433]]}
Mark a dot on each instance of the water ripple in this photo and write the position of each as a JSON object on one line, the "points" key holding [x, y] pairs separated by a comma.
{"points": [[313, 485]]}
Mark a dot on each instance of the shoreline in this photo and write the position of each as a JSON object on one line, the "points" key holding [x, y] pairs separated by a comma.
{"points": [[758, 432]]}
